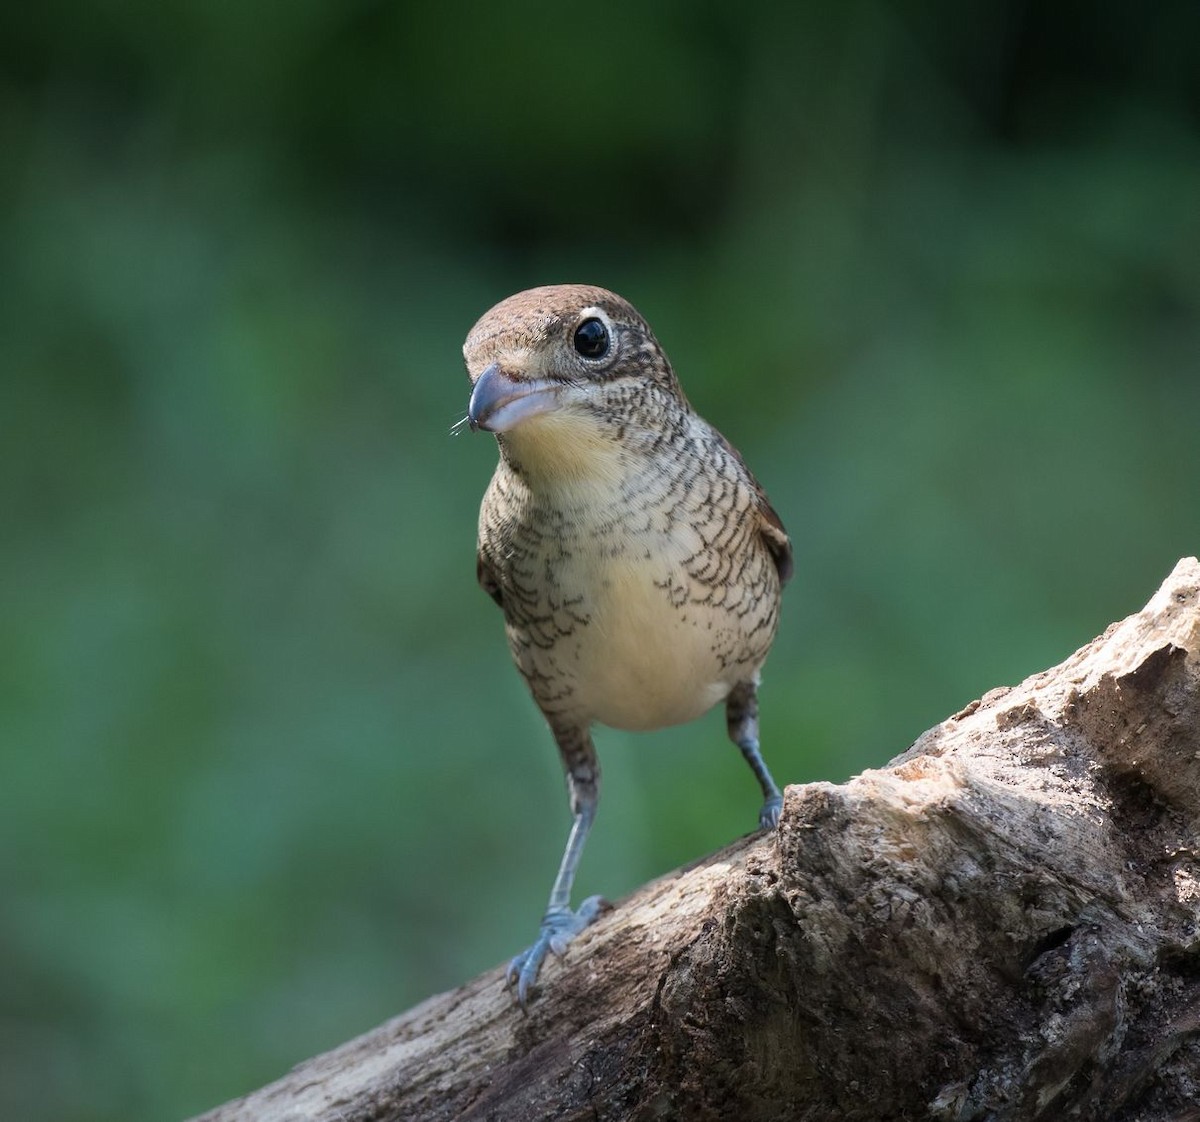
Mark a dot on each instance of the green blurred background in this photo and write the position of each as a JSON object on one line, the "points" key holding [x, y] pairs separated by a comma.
{"points": [[267, 774]]}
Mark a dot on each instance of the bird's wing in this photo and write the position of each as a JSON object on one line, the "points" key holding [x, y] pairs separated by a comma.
{"points": [[779, 545], [486, 576], [770, 525]]}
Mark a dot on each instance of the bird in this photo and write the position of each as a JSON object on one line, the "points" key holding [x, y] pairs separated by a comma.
{"points": [[635, 557]]}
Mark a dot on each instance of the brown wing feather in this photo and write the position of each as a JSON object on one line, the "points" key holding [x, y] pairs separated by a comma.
{"points": [[775, 537], [487, 579]]}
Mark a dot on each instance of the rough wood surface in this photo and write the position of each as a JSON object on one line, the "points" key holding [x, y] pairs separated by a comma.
{"points": [[1002, 924]]}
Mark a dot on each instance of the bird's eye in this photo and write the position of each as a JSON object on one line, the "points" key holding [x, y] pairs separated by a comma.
{"points": [[591, 338]]}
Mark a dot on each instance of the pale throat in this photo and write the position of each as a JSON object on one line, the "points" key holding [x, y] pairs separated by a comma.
{"points": [[570, 451]]}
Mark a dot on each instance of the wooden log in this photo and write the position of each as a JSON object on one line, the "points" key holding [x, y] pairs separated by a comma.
{"points": [[1004, 923]]}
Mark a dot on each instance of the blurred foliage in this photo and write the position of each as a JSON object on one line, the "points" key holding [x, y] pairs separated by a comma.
{"points": [[266, 774]]}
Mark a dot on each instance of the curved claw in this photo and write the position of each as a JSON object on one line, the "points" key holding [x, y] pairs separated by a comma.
{"points": [[559, 927], [768, 817]]}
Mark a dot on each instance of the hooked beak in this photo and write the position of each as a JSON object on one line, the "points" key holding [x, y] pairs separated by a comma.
{"points": [[500, 402]]}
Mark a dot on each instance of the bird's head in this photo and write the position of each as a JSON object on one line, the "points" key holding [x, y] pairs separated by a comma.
{"points": [[559, 369]]}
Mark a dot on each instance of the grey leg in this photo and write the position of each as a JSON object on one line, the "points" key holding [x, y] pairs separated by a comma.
{"points": [[741, 718], [560, 924]]}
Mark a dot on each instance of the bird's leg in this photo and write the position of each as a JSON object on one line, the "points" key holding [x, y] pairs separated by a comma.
{"points": [[741, 718], [560, 924]]}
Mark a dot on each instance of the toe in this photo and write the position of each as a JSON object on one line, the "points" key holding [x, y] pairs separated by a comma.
{"points": [[558, 928], [768, 817]]}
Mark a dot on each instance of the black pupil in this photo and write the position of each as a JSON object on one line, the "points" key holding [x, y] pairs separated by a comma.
{"points": [[591, 338]]}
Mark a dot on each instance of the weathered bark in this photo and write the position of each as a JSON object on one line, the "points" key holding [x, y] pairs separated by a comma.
{"points": [[1002, 924]]}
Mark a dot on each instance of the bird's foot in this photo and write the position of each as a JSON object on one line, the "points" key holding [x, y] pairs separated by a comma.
{"points": [[768, 817], [559, 927]]}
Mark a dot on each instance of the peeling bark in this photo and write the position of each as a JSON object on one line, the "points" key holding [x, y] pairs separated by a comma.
{"points": [[1001, 924]]}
